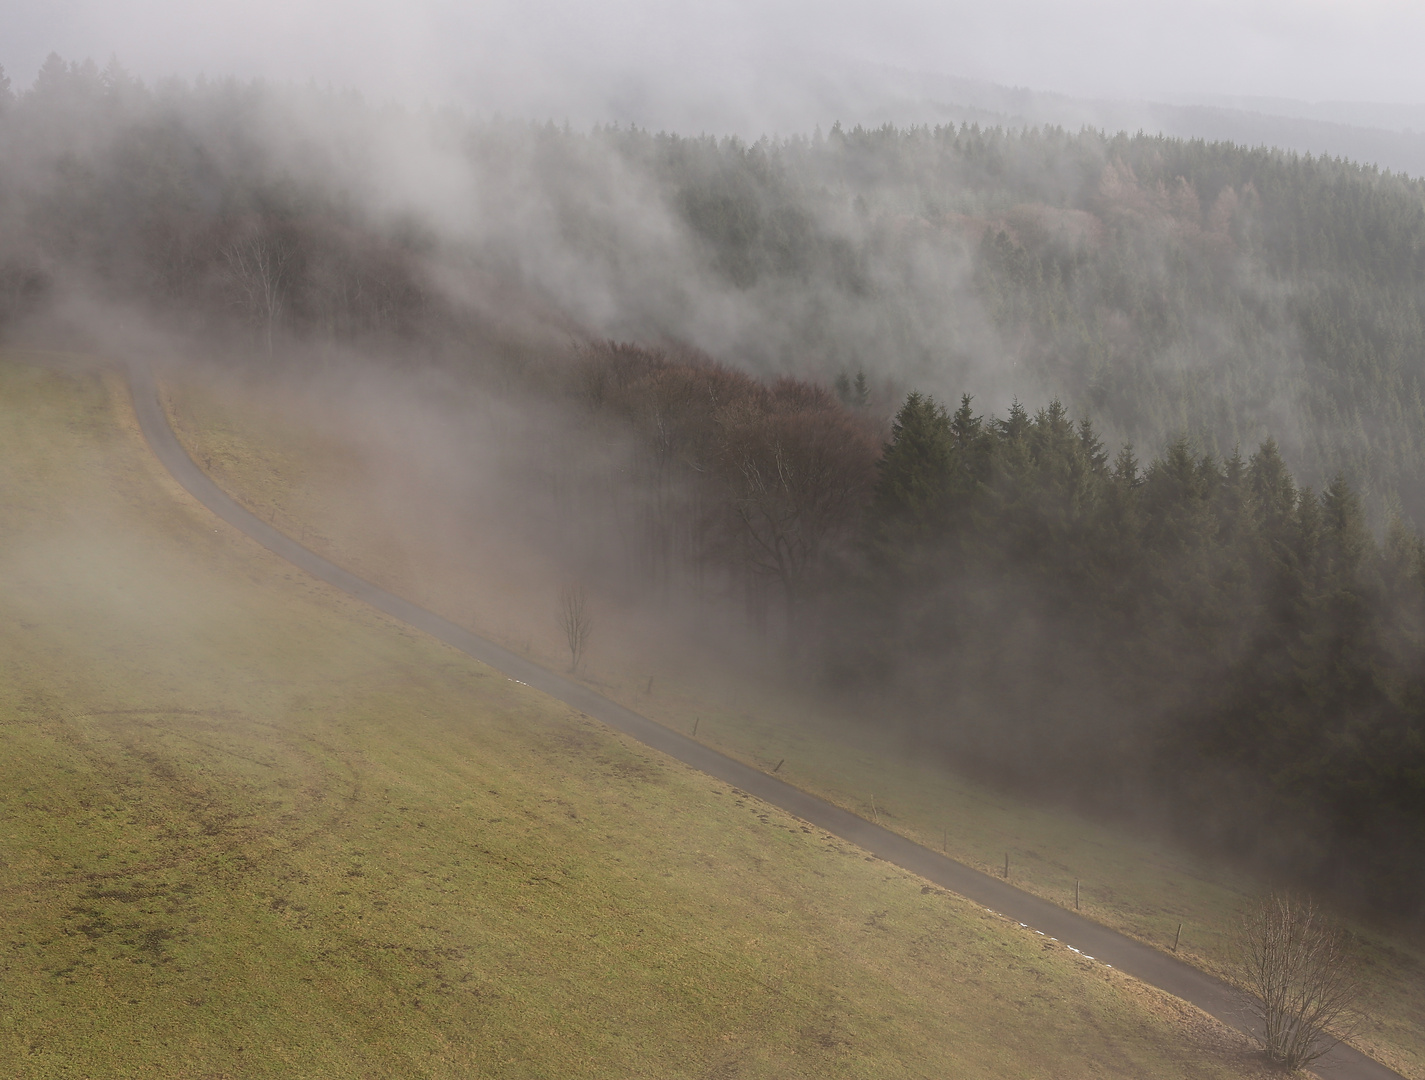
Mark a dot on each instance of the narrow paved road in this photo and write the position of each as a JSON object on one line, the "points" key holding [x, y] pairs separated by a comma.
{"points": [[1096, 941]]}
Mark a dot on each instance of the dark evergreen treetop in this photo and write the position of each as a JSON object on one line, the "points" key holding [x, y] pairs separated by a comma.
{"points": [[1232, 646]]}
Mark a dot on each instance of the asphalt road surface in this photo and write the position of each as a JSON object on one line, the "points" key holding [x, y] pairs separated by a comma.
{"points": [[1098, 942]]}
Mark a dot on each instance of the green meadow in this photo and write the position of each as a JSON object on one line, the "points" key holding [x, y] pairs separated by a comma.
{"points": [[250, 828], [304, 476]]}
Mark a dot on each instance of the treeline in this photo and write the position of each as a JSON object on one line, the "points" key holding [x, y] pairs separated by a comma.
{"points": [[1196, 636], [1195, 640], [176, 198], [1165, 285]]}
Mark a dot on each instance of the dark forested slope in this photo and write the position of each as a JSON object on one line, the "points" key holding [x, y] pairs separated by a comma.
{"points": [[1196, 638], [1194, 641], [1164, 287]]}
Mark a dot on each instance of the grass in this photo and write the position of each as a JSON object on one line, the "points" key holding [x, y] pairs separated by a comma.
{"points": [[252, 828], [308, 474]]}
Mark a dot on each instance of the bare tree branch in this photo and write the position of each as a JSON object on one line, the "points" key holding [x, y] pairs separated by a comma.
{"points": [[257, 266]]}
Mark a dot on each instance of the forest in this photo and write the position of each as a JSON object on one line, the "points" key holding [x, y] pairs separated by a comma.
{"points": [[1199, 642], [879, 390]]}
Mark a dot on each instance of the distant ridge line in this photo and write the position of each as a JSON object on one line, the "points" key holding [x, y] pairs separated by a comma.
{"points": [[1091, 939]]}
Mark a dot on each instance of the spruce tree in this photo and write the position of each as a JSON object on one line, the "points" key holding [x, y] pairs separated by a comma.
{"points": [[914, 472]]}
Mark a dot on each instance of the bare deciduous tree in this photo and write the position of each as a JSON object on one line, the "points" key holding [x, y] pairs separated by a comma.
{"points": [[1295, 963], [257, 266], [797, 473], [574, 618], [763, 485]]}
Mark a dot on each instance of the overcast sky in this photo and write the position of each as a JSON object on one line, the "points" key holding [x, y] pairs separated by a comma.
{"points": [[681, 62]]}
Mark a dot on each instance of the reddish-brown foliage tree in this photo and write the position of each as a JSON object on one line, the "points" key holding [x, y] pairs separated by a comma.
{"points": [[764, 480]]}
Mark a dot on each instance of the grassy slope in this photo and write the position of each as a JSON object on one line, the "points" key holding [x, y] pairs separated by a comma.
{"points": [[1130, 882], [252, 828]]}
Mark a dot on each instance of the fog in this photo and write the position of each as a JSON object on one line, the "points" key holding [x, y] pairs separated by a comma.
{"points": [[763, 68], [666, 366]]}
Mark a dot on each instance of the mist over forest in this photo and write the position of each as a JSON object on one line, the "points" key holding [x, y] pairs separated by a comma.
{"points": [[1094, 461]]}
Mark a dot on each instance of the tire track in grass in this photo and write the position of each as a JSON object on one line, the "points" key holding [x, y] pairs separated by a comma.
{"points": [[1034, 915]]}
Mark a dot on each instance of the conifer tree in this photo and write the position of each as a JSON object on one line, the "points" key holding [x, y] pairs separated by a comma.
{"points": [[914, 471]]}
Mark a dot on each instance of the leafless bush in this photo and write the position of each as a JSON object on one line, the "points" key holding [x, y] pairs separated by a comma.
{"points": [[1295, 963], [574, 618]]}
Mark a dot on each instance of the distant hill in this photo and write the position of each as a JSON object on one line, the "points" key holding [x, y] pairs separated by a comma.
{"points": [[1163, 286], [798, 93]]}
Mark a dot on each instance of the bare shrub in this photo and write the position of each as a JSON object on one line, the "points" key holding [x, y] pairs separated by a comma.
{"points": [[575, 621], [1295, 963]]}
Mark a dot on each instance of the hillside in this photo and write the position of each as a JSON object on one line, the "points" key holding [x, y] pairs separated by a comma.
{"points": [[361, 495], [1159, 573], [254, 829], [1160, 286]]}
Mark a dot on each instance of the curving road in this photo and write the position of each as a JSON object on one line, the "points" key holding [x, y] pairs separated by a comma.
{"points": [[1099, 942]]}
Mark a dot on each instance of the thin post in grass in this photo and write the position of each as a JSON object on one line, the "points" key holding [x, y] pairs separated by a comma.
{"points": [[1006, 866], [779, 764], [649, 689], [695, 725], [1076, 894], [874, 816], [1177, 937], [945, 841]]}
